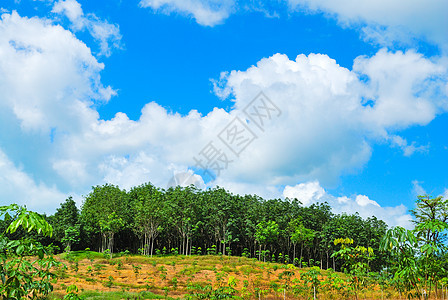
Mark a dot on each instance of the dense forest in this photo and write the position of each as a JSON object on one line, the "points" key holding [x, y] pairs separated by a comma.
{"points": [[188, 221]]}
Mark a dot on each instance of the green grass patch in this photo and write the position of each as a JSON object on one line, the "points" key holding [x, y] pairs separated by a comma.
{"points": [[80, 255], [94, 295]]}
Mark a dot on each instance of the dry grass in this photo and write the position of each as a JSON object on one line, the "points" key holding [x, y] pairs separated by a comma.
{"points": [[179, 276]]}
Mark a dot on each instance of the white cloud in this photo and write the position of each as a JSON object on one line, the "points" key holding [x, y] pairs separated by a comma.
{"points": [[19, 187], [387, 21], [327, 128], [205, 12], [186, 178], [363, 201], [408, 150], [72, 10], [306, 193], [49, 80], [48, 83], [108, 35], [418, 189], [384, 22], [312, 192]]}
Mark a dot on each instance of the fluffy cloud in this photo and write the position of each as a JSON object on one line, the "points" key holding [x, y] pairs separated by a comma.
{"points": [[108, 35], [311, 192], [330, 117], [18, 187], [306, 193], [48, 83], [384, 22], [49, 78], [207, 13], [387, 21]]}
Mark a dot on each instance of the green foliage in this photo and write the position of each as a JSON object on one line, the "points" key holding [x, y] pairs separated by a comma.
{"points": [[416, 262], [311, 280], [71, 236], [105, 211], [187, 221], [66, 224], [136, 269], [22, 275], [266, 232], [356, 263], [149, 213], [72, 293]]}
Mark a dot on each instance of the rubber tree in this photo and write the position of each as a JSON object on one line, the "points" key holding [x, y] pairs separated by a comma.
{"points": [[19, 277], [104, 208], [149, 210], [265, 233]]}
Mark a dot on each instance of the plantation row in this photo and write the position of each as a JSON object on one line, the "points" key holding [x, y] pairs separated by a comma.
{"points": [[148, 220], [189, 221]]}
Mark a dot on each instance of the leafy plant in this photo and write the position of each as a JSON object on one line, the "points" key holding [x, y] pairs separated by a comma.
{"points": [[21, 278], [72, 293], [136, 269], [356, 263], [311, 280]]}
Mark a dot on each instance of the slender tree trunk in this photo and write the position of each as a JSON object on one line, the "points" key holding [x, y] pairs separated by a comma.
{"points": [[152, 246], [301, 255], [264, 256], [294, 253], [187, 246]]}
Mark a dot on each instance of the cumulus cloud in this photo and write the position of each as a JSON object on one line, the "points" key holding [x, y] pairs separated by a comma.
{"points": [[383, 22], [19, 187], [108, 35], [387, 21], [49, 79], [330, 117], [185, 179], [311, 192], [306, 193], [205, 12]]}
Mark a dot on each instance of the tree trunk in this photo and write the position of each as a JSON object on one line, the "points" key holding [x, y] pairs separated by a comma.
{"points": [[294, 253], [152, 246], [301, 255], [264, 256]]}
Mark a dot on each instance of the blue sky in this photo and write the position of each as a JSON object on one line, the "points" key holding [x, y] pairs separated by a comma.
{"points": [[131, 91]]}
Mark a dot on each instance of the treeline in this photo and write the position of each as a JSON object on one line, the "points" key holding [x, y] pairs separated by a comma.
{"points": [[186, 220]]}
